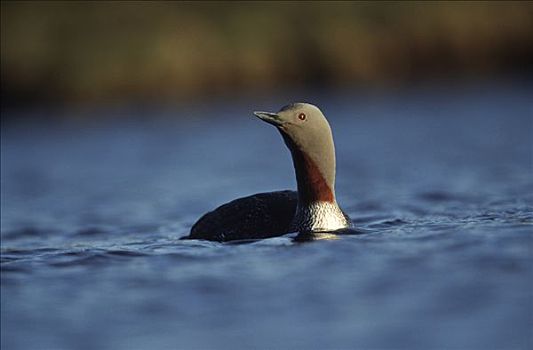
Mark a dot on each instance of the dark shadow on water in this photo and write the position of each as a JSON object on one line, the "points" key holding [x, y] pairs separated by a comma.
{"points": [[126, 253], [301, 236], [28, 232]]}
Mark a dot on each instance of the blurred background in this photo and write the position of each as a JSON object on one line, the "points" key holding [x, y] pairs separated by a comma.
{"points": [[79, 53]]}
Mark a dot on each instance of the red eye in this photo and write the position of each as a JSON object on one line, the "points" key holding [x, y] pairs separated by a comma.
{"points": [[301, 116]]}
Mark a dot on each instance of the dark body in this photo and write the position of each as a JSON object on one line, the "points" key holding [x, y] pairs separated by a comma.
{"points": [[258, 216]]}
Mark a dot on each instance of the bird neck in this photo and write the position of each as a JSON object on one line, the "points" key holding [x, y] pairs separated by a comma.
{"points": [[317, 208], [312, 184], [315, 173]]}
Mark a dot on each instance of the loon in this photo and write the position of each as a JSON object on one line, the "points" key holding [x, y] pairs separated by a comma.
{"points": [[313, 208]]}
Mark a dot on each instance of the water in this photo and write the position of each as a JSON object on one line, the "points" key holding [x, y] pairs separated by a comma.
{"points": [[439, 180]]}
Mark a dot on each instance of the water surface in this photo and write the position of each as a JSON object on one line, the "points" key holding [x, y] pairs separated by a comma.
{"points": [[439, 180]]}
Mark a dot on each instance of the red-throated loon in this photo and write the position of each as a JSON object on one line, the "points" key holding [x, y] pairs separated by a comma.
{"points": [[313, 208]]}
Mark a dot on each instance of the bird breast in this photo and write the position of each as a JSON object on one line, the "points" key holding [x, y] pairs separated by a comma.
{"points": [[319, 216]]}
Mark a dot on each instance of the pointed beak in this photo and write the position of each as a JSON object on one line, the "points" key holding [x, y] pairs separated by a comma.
{"points": [[270, 118]]}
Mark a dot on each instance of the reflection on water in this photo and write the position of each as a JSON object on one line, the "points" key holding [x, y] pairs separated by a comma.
{"points": [[317, 236], [438, 185]]}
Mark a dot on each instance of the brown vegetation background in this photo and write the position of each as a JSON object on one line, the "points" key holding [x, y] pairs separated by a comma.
{"points": [[100, 52]]}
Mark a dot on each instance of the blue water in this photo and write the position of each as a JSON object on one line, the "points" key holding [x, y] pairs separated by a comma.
{"points": [[440, 180]]}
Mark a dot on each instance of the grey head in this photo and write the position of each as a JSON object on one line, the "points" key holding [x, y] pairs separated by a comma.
{"points": [[308, 136]]}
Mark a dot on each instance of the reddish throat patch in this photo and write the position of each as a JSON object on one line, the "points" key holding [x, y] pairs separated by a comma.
{"points": [[315, 188]]}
